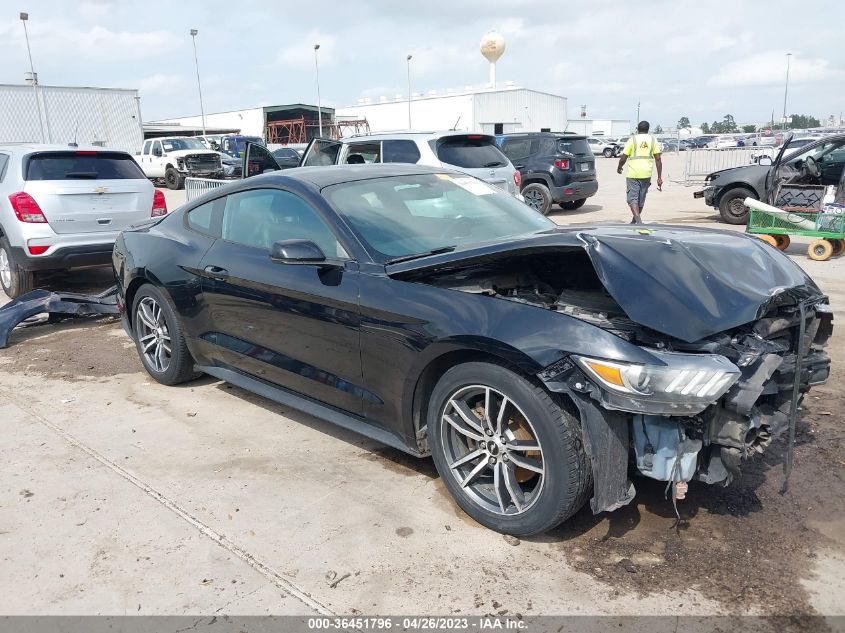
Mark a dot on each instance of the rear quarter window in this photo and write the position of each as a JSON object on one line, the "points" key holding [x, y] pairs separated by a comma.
{"points": [[4, 162], [470, 153], [82, 166]]}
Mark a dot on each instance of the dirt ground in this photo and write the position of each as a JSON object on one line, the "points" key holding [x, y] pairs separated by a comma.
{"points": [[242, 506]]}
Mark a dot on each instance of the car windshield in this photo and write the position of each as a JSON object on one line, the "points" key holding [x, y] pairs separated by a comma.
{"points": [[402, 216], [176, 144]]}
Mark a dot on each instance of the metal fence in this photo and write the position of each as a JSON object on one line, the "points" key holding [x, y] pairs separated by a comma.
{"points": [[195, 187], [700, 162]]}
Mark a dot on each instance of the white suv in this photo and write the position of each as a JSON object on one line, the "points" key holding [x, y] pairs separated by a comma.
{"points": [[62, 208], [476, 154]]}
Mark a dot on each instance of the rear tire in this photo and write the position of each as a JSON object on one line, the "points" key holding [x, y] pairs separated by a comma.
{"points": [[838, 247], [571, 205], [782, 242], [820, 250], [14, 280], [159, 338], [509, 488], [538, 197], [731, 208], [173, 179]]}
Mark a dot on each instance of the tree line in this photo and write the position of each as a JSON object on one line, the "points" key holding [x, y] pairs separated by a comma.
{"points": [[728, 124]]}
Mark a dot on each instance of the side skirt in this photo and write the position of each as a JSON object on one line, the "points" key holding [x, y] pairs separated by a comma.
{"points": [[309, 406]]}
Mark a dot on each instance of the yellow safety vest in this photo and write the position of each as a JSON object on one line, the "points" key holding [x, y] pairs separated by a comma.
{"points": [[640, 150]]}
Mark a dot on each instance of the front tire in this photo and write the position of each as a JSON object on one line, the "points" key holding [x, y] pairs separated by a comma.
{"points": [[538, 197], [14, 280], [173, 179], [607, 153], [731, 208], [510, 456], [571, 205], [159, 338]]}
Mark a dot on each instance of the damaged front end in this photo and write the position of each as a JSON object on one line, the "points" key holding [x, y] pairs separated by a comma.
{"points": [[726, 410], [735, 332]]}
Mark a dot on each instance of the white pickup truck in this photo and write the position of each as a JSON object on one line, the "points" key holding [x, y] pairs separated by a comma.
{"points": [[172, 159]]}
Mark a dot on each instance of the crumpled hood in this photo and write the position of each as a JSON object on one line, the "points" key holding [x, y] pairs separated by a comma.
{"points": [[688, 283], [691, 283]]}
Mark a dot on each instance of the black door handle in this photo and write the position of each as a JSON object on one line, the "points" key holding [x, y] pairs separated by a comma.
{"points": [[215, 272], [519, 166]]}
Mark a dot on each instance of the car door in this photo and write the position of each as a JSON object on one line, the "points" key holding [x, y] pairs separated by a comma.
{"points": [[257, 159], [294, 325], [321, 152], [157, 163]]}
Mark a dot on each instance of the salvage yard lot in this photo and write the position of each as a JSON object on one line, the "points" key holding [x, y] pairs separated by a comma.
{"points": [[121, 496]]}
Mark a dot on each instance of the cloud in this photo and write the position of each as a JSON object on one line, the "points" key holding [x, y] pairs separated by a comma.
{"points": [[299, 54], [158, 84], [94, 8], [769, 69]]}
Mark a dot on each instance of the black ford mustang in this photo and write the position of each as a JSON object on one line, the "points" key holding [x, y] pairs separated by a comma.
{"points": [[436, 314]]}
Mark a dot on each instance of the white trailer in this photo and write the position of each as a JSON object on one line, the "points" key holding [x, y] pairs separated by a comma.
{"points": [[60, 114]]}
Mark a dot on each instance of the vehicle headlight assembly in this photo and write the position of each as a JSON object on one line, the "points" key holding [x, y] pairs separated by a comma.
{"points": [[180, 163], [684, 385]]}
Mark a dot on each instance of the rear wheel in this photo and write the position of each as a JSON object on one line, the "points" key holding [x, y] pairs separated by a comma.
{"points": [[571, 205], [781, 242], [173, 179], [14, 280], [538, 197], [731, 208], [159, 338], [820, 250], [508, 454], [838, 247]]}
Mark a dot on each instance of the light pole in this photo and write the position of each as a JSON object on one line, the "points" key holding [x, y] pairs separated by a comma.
{"points": [[199, 85], [786, 90], [408, 62], [24, 18], [319, 104]]}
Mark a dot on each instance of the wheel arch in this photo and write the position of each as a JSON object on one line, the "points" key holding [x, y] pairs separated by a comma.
{"points": [[134, 286], [733, 186], [536, 179], [427, 378]]}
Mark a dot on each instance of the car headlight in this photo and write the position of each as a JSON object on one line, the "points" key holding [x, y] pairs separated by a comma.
{"points": [[711, 177], [180, 163], [685, 384]]}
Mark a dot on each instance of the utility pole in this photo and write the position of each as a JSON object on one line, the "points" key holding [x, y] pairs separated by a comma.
{"points": [[199, 86], [786, 89], [24, 17], [319, 104], [408, 61], [638, 112]]}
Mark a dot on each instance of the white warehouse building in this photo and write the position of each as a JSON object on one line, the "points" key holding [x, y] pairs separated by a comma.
{"points": [[488, 111]]}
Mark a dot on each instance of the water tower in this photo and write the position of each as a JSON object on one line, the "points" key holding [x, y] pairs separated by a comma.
{"points": [[492, 47]]}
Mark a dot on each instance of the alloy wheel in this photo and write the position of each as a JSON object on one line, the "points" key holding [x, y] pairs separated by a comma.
{"points": [[492, 450], [5, 268], [534, 199], [153, 334]]}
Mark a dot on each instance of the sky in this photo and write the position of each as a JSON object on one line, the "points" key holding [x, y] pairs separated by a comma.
{"points": [[701, 60]]}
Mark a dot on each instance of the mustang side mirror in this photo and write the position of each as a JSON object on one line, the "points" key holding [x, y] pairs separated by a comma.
{"points": [[765, 160], [297, 252]]}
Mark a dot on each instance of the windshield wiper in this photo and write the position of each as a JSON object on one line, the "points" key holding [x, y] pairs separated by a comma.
{"points": [[495, 163], [407, 258]]}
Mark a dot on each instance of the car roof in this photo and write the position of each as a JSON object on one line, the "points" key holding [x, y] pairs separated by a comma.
{"points": [[28, 148], [410, 134], [568, 135], [334, 174]]}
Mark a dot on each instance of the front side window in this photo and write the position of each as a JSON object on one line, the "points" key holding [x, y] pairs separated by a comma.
{"points": [[262, 217], [405, 215]]}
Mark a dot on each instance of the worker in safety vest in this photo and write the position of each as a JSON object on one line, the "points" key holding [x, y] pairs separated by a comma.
{"points": [[642, 153]]}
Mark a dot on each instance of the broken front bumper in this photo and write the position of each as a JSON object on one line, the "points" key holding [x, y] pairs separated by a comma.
{"points": [[58, 305]]}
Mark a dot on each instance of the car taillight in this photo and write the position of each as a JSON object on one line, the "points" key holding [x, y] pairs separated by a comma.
{"points": [[26, 208], [38, 250], [562, 163], [159, 204], [517, 179]]}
